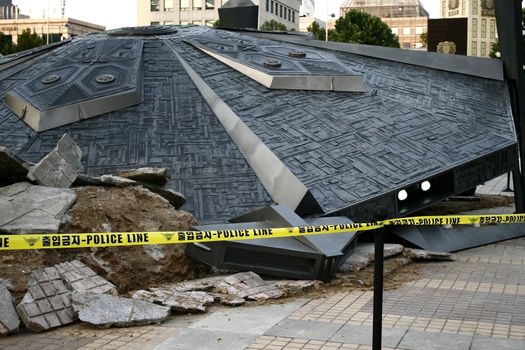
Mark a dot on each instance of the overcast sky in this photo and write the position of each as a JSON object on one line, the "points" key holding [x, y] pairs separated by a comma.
{"points": [[122, 13]]}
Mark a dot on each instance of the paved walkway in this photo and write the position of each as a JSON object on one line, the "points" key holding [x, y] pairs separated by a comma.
{"points": [[477, 303], [497, 186]]}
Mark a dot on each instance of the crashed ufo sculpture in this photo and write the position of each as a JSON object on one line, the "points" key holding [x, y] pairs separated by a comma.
{"points": [[266, 130]]}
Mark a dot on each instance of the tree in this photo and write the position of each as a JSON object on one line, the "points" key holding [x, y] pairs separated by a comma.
{"points": [[217, 24], [318, 32], [424, 39], [494, 50], [6, 45], [273, 25], [362, 28], [28, 40]]}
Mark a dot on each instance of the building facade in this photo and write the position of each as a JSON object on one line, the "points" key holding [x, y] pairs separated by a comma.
{"points": [[481, 17], [57, 28], [205, 12], [408, 19], [307, 8]]}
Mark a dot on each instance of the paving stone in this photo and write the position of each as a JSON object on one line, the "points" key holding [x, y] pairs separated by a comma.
{"points": [[47, 302], [486, 343], [25, 208], [12, 169], [363, 335], [186, 302], [417, 340], [104, 310], [304, 329], [419, 254], [38, 313], [191, 339], [60, 167], [155, 176], [9, 320]]}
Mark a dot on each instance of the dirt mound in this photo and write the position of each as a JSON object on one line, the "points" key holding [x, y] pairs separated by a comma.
{"points": [[104, 209]]}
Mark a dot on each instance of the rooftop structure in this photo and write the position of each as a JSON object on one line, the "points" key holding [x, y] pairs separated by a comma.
{"points": [[205, 12]]}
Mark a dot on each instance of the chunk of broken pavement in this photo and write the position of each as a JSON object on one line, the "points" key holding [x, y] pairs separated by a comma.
{"points": [[47, 303], [25, 208], [364, 253], [155, 176], [60, 167], [104, 311], [186, 302], [9, 320], [12, 169], [419, 254]]}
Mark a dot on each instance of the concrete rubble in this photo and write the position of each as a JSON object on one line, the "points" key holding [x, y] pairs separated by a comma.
{"points": [[25, 208], [60, 167], [12, 168], [155, 176], [176, 199], [104, 311], [233, 290], [47, 303], [419, 254], [364, 254], [9, 321]]}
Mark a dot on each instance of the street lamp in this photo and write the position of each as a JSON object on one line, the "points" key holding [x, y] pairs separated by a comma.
{"points": [[327, 20]]}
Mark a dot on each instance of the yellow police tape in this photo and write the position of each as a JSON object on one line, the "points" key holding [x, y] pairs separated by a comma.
{"points": [[116, 239]]}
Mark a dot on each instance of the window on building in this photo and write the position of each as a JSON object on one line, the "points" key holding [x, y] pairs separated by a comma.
{"points": [[483, 49], [210, 4], [168, 5], [184, 5], [406, 45], [289, 14], [281, 11], [475, 6], [419, 30], [197, 5], [285, 13], [168, 23], [267, 5], [184, 23], [154, 23], [474, 27], [209, 23], [293, 16], [483, 28], [474, 48], [271, 6], [197, 23], [395, 30], [492, 29], [407, 31], [154, 5]]}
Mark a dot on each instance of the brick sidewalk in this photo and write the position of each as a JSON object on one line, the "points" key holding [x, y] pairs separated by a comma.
{"points": [[477, 302]]}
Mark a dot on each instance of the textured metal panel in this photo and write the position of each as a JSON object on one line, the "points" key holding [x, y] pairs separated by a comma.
{"points": [[100, 77], [474, 66], [278, 180], [278, 66], [459, 238]]}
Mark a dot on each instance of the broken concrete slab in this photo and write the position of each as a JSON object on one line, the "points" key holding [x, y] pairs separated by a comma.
{"points": [[185, 302], [249, 286], [9, 321], [104, 310], [364, 254], [78, 277], [60, 167], [47, 303], [25, 208], [176, 199], [155, 176], [12, 169], [419, 254]]}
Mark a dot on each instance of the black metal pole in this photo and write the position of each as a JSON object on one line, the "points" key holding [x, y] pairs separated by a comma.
{"points": [[378, 288]]}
